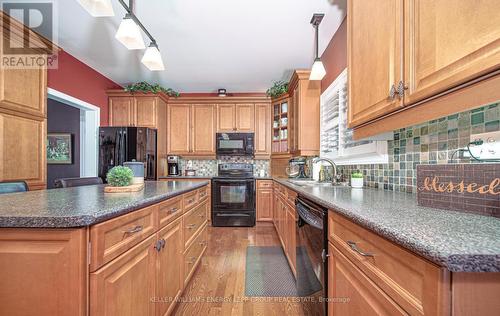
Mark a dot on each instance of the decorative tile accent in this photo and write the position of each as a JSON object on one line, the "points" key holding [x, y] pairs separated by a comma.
{"points": [[208, 168], [435, 143]]}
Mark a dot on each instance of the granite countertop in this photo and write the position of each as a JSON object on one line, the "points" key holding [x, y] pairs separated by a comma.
{"points": [[205, 177], [82, 206], [461, 242]]}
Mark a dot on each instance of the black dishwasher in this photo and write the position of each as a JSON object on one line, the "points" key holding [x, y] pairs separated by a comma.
{"points": [[311, 255]]}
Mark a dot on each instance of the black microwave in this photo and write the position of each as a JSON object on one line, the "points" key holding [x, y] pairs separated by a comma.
{"points": [[235, 144]]}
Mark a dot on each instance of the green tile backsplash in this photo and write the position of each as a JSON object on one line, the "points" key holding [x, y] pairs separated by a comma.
{"points": [[433, 142]]}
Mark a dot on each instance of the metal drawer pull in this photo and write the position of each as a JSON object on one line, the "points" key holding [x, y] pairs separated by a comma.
{"points": [[191, 226], [192, 260], [190, 201], [173, 210], [203, 195], [203, 243], [202, 215], [133, 230], [354, 247]]}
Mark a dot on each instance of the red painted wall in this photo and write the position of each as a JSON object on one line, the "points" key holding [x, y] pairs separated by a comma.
{"points": [[78, 80], [335, 56]]}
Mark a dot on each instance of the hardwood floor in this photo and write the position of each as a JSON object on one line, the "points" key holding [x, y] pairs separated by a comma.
{"points": [[218, 286]]}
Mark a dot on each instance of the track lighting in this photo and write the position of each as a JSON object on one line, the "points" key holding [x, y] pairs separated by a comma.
{"points": [[98, 8], [318, 71], [152, 58], [129, 34]]}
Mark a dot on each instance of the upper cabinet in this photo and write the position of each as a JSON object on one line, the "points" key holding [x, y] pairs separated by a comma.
{"points": [[235, 118], [122, 111], [262, 130], [375, 53], [191, 130], [447, 46], [194, 121], [145, 109], [23, 113], [303, 116], [419, 61]]}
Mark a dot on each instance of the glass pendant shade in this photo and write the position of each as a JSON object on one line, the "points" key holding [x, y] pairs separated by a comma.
{"points": [[98, 8], [129, 34], [318, 71], [152, 59]]}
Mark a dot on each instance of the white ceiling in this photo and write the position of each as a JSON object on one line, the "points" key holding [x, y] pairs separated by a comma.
{"points": [[240, 45]]}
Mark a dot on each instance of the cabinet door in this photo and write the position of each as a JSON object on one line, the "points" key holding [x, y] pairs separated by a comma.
{"points": [[345, 280], [24, 90], [126, 285], [178, 129], [146, 108], [43, 272], [121, 111], [264, 204], [447, 46], [262, 130], [226, 118], [22, 150], [292, 244], [170, 277], [203, 134], [245, 117], [374, 58], [293, 121]]}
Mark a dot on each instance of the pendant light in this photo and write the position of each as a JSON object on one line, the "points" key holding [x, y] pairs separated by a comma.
{"points": [[129, 34], [318, 71], [152, 58], [98, 8]]}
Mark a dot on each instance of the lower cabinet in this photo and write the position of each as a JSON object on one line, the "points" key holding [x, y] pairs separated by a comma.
{"points": [[348, 282], [170, 281], [126, 286], [264, 204]]}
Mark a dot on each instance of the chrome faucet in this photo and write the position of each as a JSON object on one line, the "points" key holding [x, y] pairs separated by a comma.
{"points": [[334, 167]]}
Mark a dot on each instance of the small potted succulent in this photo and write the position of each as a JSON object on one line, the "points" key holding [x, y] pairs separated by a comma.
{"points": [[357, 179], [119, 176]]}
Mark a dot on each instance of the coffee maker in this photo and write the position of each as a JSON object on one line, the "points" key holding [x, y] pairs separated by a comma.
{"points": [[173, 166]]}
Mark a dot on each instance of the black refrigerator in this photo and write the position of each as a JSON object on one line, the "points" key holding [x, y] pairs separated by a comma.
{"points": [[120, 144]]}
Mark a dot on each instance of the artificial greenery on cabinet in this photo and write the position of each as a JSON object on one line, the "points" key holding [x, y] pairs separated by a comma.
{"points": [[278, 89], [146, 87]]}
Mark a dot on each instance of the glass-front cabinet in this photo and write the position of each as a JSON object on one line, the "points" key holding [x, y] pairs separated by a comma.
{"points": [[281, 126]]}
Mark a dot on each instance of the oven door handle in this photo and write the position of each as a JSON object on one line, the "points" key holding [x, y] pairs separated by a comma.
{"points": [[217, 181]]}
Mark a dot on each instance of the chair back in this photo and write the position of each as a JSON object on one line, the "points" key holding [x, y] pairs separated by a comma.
{"points": [[76, 182], [11, 187]]}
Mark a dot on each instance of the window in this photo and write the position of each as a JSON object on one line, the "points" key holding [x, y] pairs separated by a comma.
{"points": [[336, 139]]}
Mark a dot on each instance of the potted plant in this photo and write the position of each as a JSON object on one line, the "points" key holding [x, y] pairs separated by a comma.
{"points": [[357, 179], [119, 176]]}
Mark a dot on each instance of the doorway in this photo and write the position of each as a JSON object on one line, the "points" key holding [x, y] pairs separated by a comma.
{"points": [[89, 125]]}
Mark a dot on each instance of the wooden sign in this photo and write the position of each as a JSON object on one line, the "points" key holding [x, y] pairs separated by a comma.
{"points": [[473, 188]]}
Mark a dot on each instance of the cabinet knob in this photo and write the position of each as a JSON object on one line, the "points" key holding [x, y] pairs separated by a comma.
{"points": [[392, 92], [401, 88]]}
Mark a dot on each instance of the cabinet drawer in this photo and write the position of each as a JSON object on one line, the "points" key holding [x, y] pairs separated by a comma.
{"points": [[112, 238], [264, 184], [203, 193], [290, 197], [414, 283], [193, 254], [347, 281], [193, 221], [190, 200], [169, 210]]}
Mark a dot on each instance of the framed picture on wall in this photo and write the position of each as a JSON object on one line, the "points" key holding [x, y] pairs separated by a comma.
{"points": [[59, 149]]}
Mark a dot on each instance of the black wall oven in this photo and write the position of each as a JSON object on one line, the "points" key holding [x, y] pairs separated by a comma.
{"points": [[235, 144], [233, 196]]}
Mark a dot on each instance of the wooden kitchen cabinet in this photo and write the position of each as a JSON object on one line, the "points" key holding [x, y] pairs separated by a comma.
{"points": [[226, 118], [122, 111], [126, 285], [302, 117], [262, 131], [22, 144], [203, 129], [422, 61], [179, 129], [347, 281], [375, 64], [170, 276], [446, 47], [146, 108], [291, 243], [191, 130], [264, 203], [245, 117], [235, 118], [43, 271]]}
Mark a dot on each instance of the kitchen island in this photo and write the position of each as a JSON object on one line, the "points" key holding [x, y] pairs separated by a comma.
{"points": [[69, 251]]}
